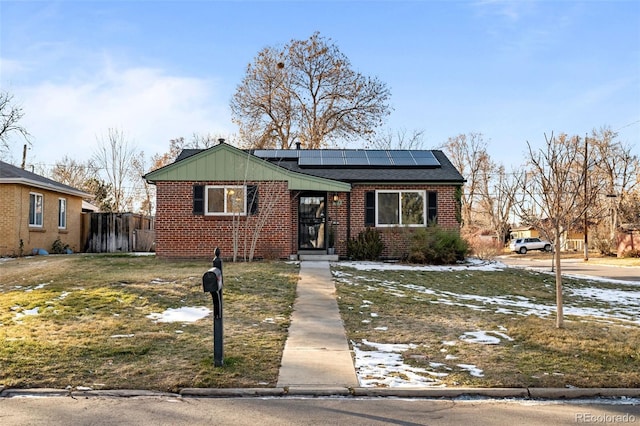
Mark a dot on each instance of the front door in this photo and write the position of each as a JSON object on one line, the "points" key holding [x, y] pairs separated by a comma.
{"points": [[312, 212]]}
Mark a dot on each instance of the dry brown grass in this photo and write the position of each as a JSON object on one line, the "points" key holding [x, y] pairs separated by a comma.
{"points": [[88, 299], [419, 308]]}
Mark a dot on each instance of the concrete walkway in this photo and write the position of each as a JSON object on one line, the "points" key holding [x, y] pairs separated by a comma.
{"points": [[316, 353]]}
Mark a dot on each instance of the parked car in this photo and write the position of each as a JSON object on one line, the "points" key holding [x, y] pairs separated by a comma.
{"points": [[522, 245]]}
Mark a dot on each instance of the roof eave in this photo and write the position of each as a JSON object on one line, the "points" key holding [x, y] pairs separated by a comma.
{"points": [[46, 186]]}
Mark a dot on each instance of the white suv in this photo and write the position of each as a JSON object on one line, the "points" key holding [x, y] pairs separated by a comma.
{"points": [[522, 245]]}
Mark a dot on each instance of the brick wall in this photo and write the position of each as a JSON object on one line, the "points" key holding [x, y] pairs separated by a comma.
{"points": [[181, 234], [394, 238], [14, 221]]}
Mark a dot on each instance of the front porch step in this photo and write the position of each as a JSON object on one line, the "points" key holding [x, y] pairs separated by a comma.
{"points": [[318, 256]]}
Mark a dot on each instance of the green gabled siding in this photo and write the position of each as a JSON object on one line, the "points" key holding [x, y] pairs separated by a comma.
{"points": [[224, 162]]}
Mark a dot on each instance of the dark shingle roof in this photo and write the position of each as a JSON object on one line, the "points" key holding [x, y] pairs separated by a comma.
{"points": [[445, 172], [13, 174]]}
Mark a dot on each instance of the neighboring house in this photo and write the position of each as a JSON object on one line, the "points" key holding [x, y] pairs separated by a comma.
{"points": [[524, 232], [36, 211], [569, 240], [290, 202]]}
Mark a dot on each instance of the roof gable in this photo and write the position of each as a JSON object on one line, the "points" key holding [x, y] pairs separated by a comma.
{"points": [[224, 162], [12, 174]]}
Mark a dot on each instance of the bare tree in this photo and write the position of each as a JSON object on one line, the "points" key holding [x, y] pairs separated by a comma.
{"points": [[554, 187], [497, 190], [10, 116], [114, 157], [198, 141], [398, 139], [306, 92], [72, 172], [146, 190], [468, 153], [616, 169]]}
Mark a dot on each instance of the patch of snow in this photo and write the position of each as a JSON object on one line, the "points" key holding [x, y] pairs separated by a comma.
{"points": [[29, 312], [484, 337], [472, 369], [122, 336], [184, 314], [471, 264], [384, 367]]}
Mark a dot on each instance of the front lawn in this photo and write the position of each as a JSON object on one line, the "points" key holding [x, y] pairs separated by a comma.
{"points": [[469, 326], [98, 321]]}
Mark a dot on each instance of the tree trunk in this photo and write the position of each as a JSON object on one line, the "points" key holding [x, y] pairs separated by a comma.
{"points": [[559, 314]]}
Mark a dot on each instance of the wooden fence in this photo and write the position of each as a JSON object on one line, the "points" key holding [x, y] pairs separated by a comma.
{"points": [[118, 232]]}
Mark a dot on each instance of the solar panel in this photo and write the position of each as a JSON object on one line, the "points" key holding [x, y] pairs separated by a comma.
{"points": [[379, 158], [355, 157], [402, 158], [276, 153], [425, 158]]}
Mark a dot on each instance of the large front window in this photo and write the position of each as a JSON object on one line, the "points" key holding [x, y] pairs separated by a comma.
{"points": [[35, 209], [225, 200], [400, 208]]}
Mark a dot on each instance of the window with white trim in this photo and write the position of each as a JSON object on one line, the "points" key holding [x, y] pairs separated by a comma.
{"points": [[225, 200], [406, 208], [62, 213], [36, 206]]}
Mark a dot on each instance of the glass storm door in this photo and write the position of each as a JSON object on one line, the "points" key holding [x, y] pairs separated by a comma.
{"points": [[311, 221]]}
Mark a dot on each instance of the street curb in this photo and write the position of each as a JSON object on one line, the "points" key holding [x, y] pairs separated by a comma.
{"points": [[311, 391], [47, 392]]}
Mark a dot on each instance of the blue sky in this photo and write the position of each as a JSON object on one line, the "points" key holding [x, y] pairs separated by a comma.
{"points": [[511, 70]]}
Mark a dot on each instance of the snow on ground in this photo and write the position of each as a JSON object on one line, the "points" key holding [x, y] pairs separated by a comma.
{"points": [[184, 314], [384, 366]]}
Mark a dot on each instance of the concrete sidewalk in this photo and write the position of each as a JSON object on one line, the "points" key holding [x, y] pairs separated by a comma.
{"points": [[316, 353]]}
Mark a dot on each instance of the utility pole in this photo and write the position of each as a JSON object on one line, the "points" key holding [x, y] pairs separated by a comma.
{"points": [[586, 207], [24, 156]]}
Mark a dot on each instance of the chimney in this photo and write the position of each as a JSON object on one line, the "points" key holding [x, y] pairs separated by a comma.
{"points": [[298, 145], [221, 140]]}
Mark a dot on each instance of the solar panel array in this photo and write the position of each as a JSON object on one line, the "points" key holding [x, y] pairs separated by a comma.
{"points": [[353, 157]]}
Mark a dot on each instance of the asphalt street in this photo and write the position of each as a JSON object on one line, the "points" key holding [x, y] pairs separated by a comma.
{"points": [[574, 267], [309, 411]]}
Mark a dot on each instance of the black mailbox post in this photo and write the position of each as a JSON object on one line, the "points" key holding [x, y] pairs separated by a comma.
{"points": [[212, 283]]}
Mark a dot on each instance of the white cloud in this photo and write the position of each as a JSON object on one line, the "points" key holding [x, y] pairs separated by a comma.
{"points": [[147, 104]]}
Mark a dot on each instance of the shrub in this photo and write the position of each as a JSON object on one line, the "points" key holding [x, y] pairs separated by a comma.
{"points": [[438, 246], [58, 247], [485, 248], [367, 245], [631, 254]]}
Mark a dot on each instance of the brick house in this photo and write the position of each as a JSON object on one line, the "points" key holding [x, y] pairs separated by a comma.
{"points": [[36, 211], [282, 203]]}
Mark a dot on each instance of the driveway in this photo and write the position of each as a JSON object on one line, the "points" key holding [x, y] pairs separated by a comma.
{"points": [[574, 267]]}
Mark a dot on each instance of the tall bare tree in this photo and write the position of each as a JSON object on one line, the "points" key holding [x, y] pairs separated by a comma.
{"points": [[616, 170], [198, 141], [497, 196], [114, 158], [554, 187], [10, 116], [145, 191], [306, 92], [468, 153], [397, 139], [72, 172]]}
